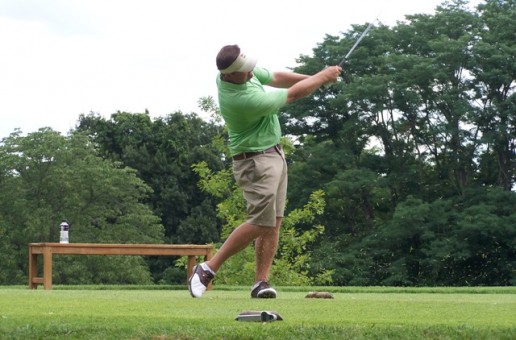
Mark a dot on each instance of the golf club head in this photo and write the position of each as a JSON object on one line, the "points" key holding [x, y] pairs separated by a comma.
{"points": [[268, 316], [258, 316]]}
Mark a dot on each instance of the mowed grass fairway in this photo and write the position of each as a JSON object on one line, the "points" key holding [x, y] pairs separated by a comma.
{"points": [[354, 313]]}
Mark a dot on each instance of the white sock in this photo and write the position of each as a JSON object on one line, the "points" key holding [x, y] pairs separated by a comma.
{"points": [[205, 267]]}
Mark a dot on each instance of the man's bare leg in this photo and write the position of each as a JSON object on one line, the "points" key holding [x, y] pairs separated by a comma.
{"points": [[238, 240], [265, 248]]}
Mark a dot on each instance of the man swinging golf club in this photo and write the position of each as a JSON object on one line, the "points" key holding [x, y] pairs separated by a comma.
{"points": [[259, 167]]}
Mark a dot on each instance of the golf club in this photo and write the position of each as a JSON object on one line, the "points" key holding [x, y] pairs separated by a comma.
{"points": [[343, 61]]}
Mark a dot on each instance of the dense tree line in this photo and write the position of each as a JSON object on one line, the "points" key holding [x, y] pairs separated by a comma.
{"points": [[415, 152]]}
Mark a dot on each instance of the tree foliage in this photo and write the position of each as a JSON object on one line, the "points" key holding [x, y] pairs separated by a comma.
{"points": [[162, 152], [421, 126], [46, 177]]}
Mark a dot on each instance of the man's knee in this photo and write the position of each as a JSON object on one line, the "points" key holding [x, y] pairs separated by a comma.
{"points": [[268, 230]]}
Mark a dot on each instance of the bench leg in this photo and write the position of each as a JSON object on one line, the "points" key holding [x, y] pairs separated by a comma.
{"points": [[47, 268], [33, 269], [189, 268]]}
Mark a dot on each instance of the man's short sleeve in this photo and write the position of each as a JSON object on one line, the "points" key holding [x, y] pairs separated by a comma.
{"points": [[264, 76]]}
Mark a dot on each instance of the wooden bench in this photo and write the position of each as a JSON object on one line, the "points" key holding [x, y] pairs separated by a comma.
{"points": [[48, 249]]}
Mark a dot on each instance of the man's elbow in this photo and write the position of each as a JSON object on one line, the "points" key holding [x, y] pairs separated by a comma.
{"points": [[295, 95], [291, 98]]}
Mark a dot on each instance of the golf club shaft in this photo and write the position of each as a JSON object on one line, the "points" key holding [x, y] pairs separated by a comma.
{"points": [[341, 64]]}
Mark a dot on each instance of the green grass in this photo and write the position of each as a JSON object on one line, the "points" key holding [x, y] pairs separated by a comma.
{"points": [[105, 312]]}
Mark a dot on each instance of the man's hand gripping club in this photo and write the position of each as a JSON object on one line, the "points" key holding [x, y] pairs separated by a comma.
{"points": [[308, 85]]}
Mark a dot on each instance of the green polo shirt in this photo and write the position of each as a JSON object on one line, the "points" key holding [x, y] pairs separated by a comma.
{"points": [[251, 113]]}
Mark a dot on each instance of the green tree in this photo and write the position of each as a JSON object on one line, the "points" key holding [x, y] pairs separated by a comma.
{"points": [[479, 249], [494, 68], [422, 122], [427, 244], [162, 152], [47, 177]]}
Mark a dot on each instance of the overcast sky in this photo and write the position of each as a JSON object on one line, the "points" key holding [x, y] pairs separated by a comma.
{"points": [[61, 58]]}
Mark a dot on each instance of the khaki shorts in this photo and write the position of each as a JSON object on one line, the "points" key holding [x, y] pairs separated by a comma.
{"points": [[263, 179]]}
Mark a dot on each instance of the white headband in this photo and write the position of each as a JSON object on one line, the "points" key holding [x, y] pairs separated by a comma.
{"points": [[241, 64]]}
